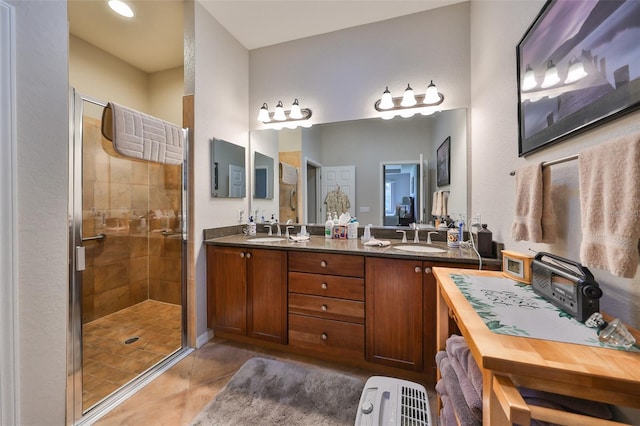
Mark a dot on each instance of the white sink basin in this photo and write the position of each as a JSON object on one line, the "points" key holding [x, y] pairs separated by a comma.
{"points": [[266, 239], [420, 249]]}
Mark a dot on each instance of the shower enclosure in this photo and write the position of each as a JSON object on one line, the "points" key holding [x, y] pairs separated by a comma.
{"points": [[127, 316]]}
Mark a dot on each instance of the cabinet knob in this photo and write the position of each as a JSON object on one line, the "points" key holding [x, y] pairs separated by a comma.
{"points": [[427, 270], [242, 254], [323, 263], [324, 286], [324, 336], [324, 307], [418, 269], [248, 255]]}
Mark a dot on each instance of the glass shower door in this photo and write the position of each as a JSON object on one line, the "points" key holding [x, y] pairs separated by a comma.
{"points": [[128, 284]]}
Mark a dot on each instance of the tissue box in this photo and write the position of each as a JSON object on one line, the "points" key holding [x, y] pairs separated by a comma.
{"points": [[340, 232]]}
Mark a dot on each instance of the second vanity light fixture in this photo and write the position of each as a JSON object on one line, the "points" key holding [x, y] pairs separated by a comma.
{"points": [[280, 118], [410, 103]]}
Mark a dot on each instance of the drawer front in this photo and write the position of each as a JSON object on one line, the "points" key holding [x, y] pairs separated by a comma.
{"points": [[327, 307], [327, 336], [326, 263], [327, 285]]}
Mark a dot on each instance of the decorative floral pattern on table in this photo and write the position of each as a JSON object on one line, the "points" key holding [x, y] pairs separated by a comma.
{"points": [[512, 308]]}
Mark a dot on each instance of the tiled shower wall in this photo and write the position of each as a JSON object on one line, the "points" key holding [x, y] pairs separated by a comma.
{"points": [[134, 262]]}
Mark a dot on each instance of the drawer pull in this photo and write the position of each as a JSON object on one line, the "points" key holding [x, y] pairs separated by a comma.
{"points": [[248, 255], [323, 263], [324, 336], [324, 286], [242, 254], [324, 308], [418, 269], [427, 270]]}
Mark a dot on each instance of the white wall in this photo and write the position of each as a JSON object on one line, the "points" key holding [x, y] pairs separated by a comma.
{"points": [[496, 29], [221, 111], [340, 75], [96, 73], [43, 138]]}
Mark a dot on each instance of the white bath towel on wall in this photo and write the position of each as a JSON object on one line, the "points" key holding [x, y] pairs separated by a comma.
{"points": [[288, 174], [142, 136]]}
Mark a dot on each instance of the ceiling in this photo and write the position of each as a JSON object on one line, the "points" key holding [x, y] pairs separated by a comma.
{"points": [[153, 40]]}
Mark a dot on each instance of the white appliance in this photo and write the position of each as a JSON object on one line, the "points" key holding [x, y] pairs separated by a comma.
{"points": [[386, 401]]}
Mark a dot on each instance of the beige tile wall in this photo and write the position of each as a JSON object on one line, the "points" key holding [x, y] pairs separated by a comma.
{"points": [[132, 264]]}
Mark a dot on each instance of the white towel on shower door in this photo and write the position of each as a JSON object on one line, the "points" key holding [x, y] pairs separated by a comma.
{"points": [[142, 136], [288, 174]]}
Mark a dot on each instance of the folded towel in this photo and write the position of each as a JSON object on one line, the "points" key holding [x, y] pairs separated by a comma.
{"points": [[299, 238], [288, 174], [436, 204], [566, 403], [610, 205], [548, 217], [471, 396], [377, 243], [138, 135], [465, 416], [445, 203], [456, 347], [531, 194]]}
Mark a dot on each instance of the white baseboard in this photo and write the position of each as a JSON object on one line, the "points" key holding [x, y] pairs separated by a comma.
{"points": [[204, 338]]}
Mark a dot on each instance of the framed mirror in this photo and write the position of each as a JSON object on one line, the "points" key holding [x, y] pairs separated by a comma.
{"points": [[228, 170], [365, 145], [263, 184]]}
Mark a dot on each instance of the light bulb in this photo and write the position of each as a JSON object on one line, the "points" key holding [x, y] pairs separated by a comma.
{"points": [[431, 96], [529, 81], [408, 99], [576, 72], [386, 102], [263, 115], [121, 8], [295, 113], [551, 77], [407, 113], [387, 115], [279, 113]]}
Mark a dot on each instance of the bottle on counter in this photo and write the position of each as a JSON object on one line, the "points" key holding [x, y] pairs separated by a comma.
{"points": [[328, 227], [485, 242]]}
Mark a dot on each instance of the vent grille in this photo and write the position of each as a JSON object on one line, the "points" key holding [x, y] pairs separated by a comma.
{"points": [[414, 407]]}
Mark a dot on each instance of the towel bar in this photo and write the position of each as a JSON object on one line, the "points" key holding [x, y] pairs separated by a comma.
{"points": [[553, 162], [98, 237]]}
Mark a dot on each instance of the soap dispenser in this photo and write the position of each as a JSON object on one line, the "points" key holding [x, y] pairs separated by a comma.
{"points": [[328, 227]]}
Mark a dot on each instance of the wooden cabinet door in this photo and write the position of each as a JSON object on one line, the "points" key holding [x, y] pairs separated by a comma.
{"points": [[267, 295], [394, 312], [227, 289]]}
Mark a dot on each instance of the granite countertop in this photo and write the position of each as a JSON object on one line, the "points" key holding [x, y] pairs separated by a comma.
{"points": [[318, 243]]}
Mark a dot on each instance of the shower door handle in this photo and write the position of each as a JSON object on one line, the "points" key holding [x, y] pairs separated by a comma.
{"points": [[80, 259]]}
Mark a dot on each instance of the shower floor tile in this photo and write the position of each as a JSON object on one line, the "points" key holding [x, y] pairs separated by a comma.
{"points": [[109, 362]]}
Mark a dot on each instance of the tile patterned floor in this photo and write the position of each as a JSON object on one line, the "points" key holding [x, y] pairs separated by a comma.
{"points": [[178, 395], [109, 362]]}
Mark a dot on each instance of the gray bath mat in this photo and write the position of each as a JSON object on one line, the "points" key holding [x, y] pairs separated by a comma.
{"points": [[270, 392]]}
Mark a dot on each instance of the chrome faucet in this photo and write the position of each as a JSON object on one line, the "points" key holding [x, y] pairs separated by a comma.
{"points": [[286, 234], [279, 233], [429, 236], [404, 235], [270, 232]]}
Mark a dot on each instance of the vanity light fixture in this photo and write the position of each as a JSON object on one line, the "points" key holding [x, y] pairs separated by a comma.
{"points": [[410, 103], [529, 81], [280, 118], [551, 77], [576, 71], [121, 8]]}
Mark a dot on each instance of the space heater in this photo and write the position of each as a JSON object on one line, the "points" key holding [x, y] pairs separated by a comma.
{"points": [[387, 401]]}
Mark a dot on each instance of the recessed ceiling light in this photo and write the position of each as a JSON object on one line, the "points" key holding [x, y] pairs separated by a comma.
{"points": [[121, 8]]}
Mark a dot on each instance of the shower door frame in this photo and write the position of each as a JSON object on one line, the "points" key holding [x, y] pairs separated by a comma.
{"points": [[75, 413]]}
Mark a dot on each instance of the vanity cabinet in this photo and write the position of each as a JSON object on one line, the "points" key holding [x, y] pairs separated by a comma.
{"points": [[401, 313], [247, 292], [326, 303]]}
